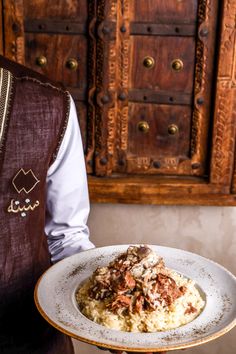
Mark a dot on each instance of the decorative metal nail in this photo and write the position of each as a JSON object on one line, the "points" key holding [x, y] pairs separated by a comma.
{"points": [[177, 65], [123, 29], [156, 164], [148, 62], [122, 96], [204, 32], [103, 161], [41, 60], [143, 126], [72, 64], [23, 214], [200, 100], [106, 30], [105, 99], [173, 129]]}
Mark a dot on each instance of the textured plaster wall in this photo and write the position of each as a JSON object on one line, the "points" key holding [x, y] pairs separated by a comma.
{"points": [[208, 231]]}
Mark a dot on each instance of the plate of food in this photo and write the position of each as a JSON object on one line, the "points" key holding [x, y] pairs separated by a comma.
{"points": [[138, 298]]}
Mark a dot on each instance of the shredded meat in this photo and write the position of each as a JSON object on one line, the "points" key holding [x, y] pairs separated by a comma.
{"points": [[124, 282], [190, 309], [121, 301], [134, 281], [139, 303]]}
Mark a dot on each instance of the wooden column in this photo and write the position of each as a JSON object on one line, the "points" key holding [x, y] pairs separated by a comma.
{"points": [[13, 29], [223, 150]]}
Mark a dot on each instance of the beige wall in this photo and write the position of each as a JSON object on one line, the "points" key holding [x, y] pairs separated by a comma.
{"points": [[208, 231]]}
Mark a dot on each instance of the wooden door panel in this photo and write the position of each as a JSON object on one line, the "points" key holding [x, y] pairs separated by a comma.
{"points": [[58, 51], [72, 9], [165, 52], [191, 43], [168, 131], [162, 11], [57, 30]]}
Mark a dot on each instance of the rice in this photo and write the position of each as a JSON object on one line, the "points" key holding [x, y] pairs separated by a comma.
{"points": [[137, 293]]}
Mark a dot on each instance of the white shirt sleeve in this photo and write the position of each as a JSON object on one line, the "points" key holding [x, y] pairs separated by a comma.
{"points": [[67, 196]]}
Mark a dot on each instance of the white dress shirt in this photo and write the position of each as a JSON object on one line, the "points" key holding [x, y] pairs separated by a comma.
{"points": [[67, 196]]}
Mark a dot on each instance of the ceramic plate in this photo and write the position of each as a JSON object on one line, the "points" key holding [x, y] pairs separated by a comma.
{"points": [[55, 300]]}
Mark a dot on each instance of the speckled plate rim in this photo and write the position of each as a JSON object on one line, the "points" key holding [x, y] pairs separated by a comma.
{"points": [[116, 249]]}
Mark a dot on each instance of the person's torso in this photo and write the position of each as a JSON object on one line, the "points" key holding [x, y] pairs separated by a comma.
{"points": [[33, 117]]}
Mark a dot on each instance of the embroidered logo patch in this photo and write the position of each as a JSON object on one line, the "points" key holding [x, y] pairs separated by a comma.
{"points": [[25, 181], [17, 207]]}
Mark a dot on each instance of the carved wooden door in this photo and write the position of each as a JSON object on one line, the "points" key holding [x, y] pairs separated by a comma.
{"points": [[154, 77], [154, 85], [51, 38]]}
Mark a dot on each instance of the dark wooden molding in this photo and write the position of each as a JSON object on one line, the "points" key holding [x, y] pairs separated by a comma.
{"points": [[45, 25], [92, 18], [152, 96], [166, 29], [159, 191]]}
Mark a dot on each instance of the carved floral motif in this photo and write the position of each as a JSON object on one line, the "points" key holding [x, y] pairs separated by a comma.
{"points": [[202, 59], [225, 110], [14, 30]]}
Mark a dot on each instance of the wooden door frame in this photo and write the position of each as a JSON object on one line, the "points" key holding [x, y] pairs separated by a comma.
{"points": [[219, 188]]}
